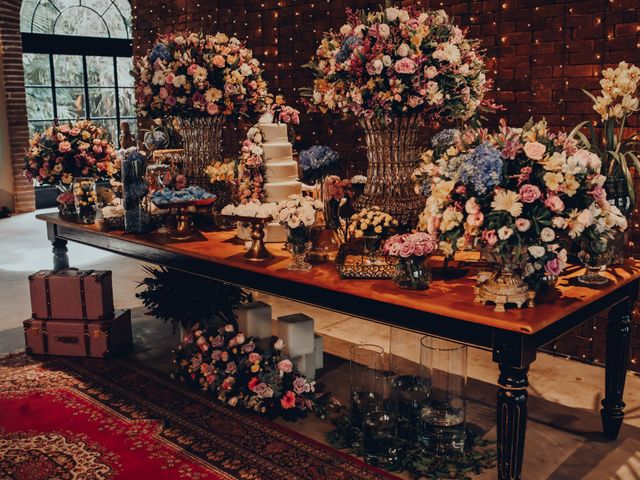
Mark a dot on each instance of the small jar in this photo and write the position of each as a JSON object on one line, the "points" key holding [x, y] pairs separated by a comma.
{"points": [[85, 198]]}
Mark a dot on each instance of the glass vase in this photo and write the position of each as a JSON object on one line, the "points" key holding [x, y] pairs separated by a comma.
{"points": [[595, 258], [85, 199], [134, 192], [371, 245], [380, 423], [392, 150], [412, 273], [618, 195], [365, 366], [442, 418], [202, 143], [299, 241]]}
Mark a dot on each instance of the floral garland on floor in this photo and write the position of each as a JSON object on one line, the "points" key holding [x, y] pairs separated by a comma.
{"points": [[239, 373]]}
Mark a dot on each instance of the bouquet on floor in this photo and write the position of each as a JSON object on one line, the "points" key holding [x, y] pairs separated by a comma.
{"points": [[399, 62], [232, 367], [194, 74], [69, 150], [520, 193]]}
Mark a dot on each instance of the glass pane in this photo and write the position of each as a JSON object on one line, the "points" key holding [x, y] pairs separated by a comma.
{"points": [[68, 70], [38, 18], [125, 79], [83, 21], [36, 69], [39, 103], [100, 71], [102, 102], [70, 102], [116, 23], [133, 127], [127, 102], [39, 126], [110, 125]]}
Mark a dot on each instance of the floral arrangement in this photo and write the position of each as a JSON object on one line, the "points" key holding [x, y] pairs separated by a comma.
{"points": [[397, 62], [317, 161], [517, 192], [251, 209], [251, 168], [617, 100], [65, 151], [298, 211], [370, 222], [221, 172], [228, 364], [278, 112], [194, 74], [416, 244], [337, 194]]}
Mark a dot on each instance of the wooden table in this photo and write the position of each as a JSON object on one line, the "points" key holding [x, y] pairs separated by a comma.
{"points": [[446, 309]]}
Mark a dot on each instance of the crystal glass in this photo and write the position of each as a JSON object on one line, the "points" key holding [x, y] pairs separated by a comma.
{"points": [[380, 423], [371, 245], [202, 142], [392, 149], [365, 366], [595, 256], [412, 273], [85, 199], [299, 241], [442, 417], [134, 192]]}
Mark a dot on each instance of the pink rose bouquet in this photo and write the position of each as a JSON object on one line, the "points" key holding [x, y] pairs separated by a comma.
{"points": [[417, 244], [398, 62]]}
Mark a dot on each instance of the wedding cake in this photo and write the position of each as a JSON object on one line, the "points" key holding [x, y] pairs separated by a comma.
{"points": [[281, 172]]}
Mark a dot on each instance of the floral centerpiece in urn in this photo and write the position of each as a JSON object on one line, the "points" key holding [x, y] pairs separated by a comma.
{"points": [[201, 80], [67, 151], [395, 70], [519, 196]]}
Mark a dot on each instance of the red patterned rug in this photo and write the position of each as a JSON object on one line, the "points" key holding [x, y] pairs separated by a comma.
{"points": [[97, 419]]}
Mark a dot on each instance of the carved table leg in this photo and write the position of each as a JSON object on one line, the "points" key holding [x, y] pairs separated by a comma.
{"points": [[60, 257], [617, 356], [513, 358]]}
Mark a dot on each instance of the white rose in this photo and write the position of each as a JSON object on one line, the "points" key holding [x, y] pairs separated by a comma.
{"points": [[386, 60], [392, 14], [547, 235], [346, 29], [403, 15], [504, 233], [245, 70], [384, 30], [403, 50], [536, 251], [378, 66]]}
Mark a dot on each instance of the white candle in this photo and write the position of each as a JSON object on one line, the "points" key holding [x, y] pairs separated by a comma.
{"points": [[296, 331]]}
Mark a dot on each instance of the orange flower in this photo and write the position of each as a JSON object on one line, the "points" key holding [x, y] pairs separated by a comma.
{"points": [[288, 400]]}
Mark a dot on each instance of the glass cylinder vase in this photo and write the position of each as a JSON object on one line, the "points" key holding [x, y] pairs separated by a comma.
{"points": [[380, 423], [85, 199], [134, 192], [365, 366], [412, 273], [442, 418], [392, 152], [202, 143], [299, 242]]}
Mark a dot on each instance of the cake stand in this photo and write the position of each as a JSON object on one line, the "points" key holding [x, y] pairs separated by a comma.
{"points": [[257, 251], [184, 229]]}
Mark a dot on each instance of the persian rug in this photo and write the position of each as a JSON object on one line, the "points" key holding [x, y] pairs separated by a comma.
{"points": [[102, 419]]}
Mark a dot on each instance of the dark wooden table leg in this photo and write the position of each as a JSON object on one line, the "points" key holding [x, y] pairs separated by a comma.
{"points": [[617, 357], [59, 250], [514, 358]]}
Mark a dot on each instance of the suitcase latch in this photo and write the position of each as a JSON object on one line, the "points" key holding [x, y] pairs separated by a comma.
{"points": [[62, 339]]}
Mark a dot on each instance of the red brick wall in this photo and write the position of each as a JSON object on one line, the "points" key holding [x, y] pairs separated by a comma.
{"points": [[542, 52], [11, 64]]}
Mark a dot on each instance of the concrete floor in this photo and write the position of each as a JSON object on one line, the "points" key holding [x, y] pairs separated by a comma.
{"points": [[563, 440]]}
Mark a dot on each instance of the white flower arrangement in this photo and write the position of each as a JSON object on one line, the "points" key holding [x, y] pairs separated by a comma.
{"points": [[298, 211], [251, 209], [371, 222]]}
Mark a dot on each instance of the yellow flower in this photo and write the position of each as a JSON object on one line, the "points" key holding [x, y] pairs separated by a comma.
{"points": [[255, 367]]}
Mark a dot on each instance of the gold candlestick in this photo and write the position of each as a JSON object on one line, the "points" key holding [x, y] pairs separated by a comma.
{"points": [[257, 251]]}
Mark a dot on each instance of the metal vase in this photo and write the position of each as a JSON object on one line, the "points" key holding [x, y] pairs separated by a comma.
{"points": [[202, 143], [392, 152]]}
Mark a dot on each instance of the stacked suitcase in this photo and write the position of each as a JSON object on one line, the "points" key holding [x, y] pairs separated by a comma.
{"points": [[73, 315]]}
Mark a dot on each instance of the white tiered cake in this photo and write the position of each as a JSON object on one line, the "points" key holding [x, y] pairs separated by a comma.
{"points": [[281, 172]]}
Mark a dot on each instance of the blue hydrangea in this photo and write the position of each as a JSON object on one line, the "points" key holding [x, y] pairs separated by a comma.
{"points": [[317, 157], [482, 170], [160, 51], [452, 167], [444, 138], [347, 47]]}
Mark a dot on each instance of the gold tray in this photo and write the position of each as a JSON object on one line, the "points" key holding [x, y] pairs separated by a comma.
{"points": [[352, 264]]}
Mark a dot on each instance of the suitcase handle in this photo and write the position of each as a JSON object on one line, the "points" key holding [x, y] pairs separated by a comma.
{"points": [[63, 339]]}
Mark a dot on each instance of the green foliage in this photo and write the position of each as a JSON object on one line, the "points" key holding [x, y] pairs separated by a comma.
{"points": [[184, 298], [421, 464]]}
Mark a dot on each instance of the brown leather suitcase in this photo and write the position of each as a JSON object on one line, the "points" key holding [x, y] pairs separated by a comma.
{"points": [[97, 338], [71, 294]]}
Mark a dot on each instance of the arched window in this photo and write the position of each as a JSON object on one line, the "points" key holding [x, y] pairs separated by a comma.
{"points": [[77, 62]]}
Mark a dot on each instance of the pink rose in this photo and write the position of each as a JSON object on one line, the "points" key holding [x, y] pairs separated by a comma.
{"points": [[74, 131], [406, 250], [431, 72], [522, 224], [475, 219], [405, 65], [192, 69], [64, 147], [285, 366], [472, 206], [163, 93], [254, 357], [218, 61], [552, 267], [529, 193], [212, 108], [170, 78], [489, 237], [171, 101], [534, 150], [433, 224], [554, 203], [64, 128], [598, 193], [97, 149]]}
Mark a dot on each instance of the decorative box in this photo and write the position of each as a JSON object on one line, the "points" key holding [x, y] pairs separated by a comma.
{"points": [[98, 338], [71, 294]]}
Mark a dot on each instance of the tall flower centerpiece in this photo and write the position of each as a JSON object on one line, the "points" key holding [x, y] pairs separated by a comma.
{"points": [[67, 151], [298, 214], [201, 80], [395, 70], [519, 196]]}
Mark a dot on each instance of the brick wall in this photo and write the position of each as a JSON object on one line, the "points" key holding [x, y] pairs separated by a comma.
{"points": [[11, 64]]}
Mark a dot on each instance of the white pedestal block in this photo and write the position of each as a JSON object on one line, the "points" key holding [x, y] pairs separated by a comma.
{"points": [[307, 365], [319, 351], [297, 333], [254, 319]]}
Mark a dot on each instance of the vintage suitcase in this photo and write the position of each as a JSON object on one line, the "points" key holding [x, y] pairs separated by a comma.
{"points": [[71, 294], [97, 338]]}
